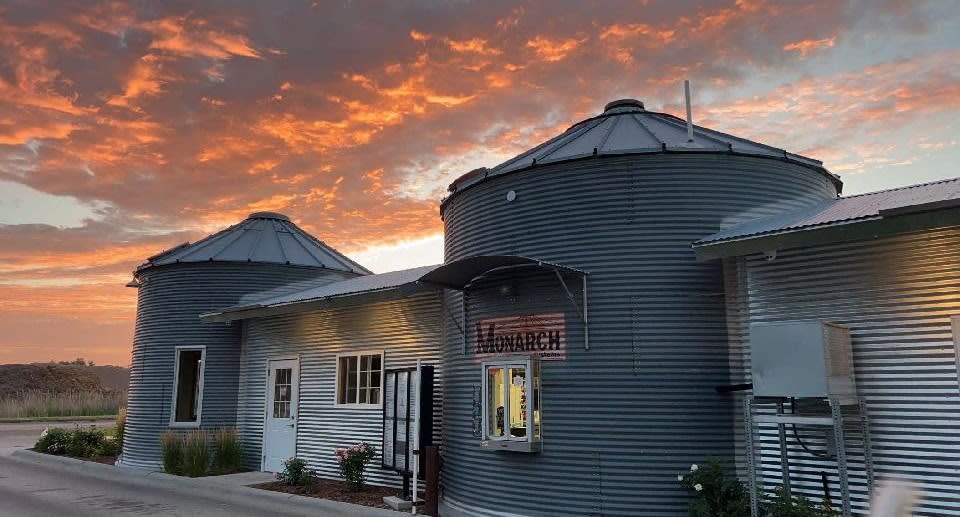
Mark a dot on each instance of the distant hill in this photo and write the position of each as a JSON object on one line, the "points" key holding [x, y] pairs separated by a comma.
{"points": [[60, 378]]}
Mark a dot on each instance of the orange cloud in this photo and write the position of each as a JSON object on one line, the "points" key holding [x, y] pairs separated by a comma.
{"points": [[187, 36], [808, 46], [552, 50]]}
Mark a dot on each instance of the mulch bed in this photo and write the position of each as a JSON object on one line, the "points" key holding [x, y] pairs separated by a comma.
{"points": [[335, 491], [107, 460]]}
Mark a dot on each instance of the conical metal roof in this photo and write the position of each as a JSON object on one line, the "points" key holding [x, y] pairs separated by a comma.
{"points": [[626, 127], [264, 237]]}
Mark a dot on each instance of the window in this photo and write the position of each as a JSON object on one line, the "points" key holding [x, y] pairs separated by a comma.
{"points": [[359, 378], [188, 386], [282, 392], [511, 404]]}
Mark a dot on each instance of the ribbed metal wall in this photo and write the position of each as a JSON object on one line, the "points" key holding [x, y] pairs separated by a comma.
{"points": [[897, 295], [405, 330], [169, 303], [621, 419]]}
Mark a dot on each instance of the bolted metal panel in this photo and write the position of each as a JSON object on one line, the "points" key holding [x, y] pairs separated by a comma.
{"points": [[896, 295], [169, 302], [621, 419], [405, 330]]}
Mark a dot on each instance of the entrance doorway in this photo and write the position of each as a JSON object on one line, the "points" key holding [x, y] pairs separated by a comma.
{"points": [[280, 427]]}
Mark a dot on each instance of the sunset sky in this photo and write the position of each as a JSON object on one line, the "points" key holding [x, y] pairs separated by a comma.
{"points": [[130, 127]]}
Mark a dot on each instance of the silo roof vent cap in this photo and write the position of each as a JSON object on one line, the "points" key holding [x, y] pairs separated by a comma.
{"points": [[268, 215], [621, 105]]}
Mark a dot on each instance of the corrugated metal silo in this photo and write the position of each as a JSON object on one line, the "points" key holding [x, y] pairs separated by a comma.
{"points": [[264, 252], [621, 196]]}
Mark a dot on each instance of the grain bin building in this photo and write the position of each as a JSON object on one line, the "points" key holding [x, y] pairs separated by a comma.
{"points": [[596, 292], [629, 401], [184, 374]]}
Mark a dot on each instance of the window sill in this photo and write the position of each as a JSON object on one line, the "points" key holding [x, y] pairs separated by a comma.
{"points": [[511, 445], [184, 425], [377, 407]]}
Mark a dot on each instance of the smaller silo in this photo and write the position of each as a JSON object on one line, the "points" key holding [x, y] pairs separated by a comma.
{"points": [[264, 252]]}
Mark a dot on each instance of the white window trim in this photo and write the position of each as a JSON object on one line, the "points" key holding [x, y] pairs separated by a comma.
{"points": [[336, 380], [176, 382], [527, 363]]}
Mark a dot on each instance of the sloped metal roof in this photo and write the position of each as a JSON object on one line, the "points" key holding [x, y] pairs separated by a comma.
{"points": [[351, 287], [845, 210], [626, 127], [453, 275], [265, 237]]}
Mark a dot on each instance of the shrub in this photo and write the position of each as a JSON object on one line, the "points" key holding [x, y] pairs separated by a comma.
{"points": [[110, 446], [781, 504], [196, 454], [171, 446], [227, 454], [121, 425], [85, 442], [353, 461], [53, 441], [714, 494], [296, 472]]}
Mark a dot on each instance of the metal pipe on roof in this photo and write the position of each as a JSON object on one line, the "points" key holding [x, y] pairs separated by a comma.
{"points": [[686, 94]]}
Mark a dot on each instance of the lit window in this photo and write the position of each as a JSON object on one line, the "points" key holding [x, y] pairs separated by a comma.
{"points": [[511, 404], [188, 386], [359, 378]]}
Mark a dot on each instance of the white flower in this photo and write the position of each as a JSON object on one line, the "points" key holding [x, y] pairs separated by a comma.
{"points": [[694, 468], [679, 477], [44, 433], [698, 487]]}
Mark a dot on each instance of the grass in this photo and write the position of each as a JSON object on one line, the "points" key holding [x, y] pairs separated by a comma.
{"points": [[34, 405], [14, 420]]}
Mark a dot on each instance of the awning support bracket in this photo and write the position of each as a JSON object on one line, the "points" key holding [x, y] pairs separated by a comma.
{"points": [[453, 318], [581, 307]]}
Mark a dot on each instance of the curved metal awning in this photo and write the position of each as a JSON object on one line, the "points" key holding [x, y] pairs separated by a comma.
{"points": [[459, 274]]}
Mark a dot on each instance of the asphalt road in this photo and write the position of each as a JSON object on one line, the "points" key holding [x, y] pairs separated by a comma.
{"points": [[47, 488]]}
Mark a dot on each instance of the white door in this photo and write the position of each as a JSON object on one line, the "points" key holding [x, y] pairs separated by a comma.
{"points": [[280, 431]]}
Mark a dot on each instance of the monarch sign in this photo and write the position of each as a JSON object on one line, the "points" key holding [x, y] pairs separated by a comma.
{"points": [[540, 335]]}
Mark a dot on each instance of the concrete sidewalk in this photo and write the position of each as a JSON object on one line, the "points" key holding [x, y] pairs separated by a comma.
{"points": [[40, 484]]}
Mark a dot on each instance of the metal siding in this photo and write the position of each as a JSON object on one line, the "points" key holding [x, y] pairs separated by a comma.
{"points": [[621, 419], [169, 303], [897, 295], [406, 330]]}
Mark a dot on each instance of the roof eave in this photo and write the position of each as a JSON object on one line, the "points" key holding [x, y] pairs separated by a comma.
{"points": [[244, 312], [875, 227]]}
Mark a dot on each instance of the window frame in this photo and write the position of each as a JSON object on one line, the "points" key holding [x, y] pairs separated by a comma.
{"points": [[336, 378], [532, 369], [176, 385]]}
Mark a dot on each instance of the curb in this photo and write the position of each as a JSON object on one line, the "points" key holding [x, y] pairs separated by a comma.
{"points": [[199, 486]]}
